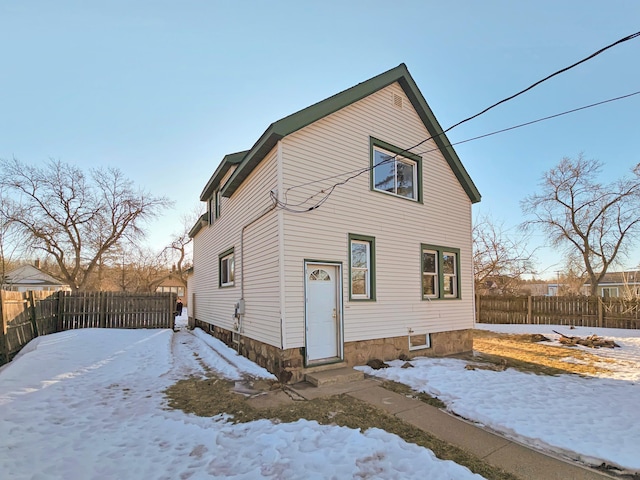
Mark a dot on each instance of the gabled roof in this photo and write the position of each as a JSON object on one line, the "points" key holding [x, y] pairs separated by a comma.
{"points": [[30, 275], [227, 162], [201, 222], [631, 277], [309, 115]]}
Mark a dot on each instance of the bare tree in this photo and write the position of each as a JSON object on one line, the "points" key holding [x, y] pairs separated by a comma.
{"points": [[593, 220], [497, 257], [75, 218], [179, 253]]}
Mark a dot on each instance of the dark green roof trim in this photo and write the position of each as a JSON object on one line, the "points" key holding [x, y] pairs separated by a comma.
{"points": [[435, 130], [309, 115], [202, 221], [223, 168]]}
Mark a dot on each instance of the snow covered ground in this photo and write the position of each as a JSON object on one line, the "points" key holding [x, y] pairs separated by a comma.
{"points": [[88, 404], [589, 419]]}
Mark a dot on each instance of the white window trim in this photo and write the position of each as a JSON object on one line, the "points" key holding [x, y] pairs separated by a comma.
{"points": [[227, 263], [454, 293], [423, 346], [435, 275], [367, 270], [401, 159]]}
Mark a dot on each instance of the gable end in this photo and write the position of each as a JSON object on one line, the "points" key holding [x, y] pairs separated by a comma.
{"points": [[313, 113]]}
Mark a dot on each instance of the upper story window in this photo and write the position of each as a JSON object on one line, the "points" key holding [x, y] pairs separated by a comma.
{"points": [[210, 211], [395, 172], [218, 203]]}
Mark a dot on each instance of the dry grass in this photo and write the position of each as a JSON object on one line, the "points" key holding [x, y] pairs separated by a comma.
{"points": [[212, 396], [520, 352]]}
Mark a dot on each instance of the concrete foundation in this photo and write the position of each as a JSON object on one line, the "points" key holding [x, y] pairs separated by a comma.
{"points": [[288, 365]]}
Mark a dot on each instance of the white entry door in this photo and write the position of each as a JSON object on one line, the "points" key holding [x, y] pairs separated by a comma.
{"points": [[323, 325]]}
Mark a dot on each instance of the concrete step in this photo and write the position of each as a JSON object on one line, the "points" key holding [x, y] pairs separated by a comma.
{"points": [[333, 377]]}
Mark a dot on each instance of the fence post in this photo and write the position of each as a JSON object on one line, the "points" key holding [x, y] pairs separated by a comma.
{"points": [[4, 349], [32, 312], [600, 312], [60, 301], [529, 310], [102, 300]]}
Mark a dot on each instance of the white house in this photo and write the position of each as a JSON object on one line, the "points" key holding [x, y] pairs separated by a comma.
{"points": [[342, 235], [30, 277], [617, 284]]}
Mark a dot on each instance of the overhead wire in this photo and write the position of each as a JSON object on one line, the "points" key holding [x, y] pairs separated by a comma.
{"points": [[356, 173], [525, 124]]}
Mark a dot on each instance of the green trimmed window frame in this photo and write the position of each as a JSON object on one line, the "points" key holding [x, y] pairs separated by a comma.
{"points": [[218, 198], [226, 269], [210, 210], [400, 164], [440, 272], [362, 268]]}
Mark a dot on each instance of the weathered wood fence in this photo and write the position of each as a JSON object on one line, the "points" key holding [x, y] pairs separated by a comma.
{"points": [[577, 311], [26, 315]]}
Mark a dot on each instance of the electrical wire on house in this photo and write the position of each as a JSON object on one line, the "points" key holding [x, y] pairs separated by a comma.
{"points": [[324, 194]]}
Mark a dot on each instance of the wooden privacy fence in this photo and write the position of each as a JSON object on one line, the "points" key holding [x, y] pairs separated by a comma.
{"points": [[26, 315], [577, 311]]}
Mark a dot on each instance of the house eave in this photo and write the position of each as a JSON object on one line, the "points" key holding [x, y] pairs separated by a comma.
{"points": [[313, 113], [201, 222], [227, 162]]}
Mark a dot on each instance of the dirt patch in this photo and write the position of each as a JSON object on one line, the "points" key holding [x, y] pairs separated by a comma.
{"points": [[524, 353], [212, 396]]}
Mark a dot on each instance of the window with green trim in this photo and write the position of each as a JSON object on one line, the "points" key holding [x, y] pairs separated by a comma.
{"points": [[361, 267], [226, 268], [210, 210], [395, 172], [218, 203], [440, 272]]}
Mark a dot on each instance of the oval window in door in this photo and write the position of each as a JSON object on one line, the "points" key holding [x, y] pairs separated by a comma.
{"points": [[319, 275]]}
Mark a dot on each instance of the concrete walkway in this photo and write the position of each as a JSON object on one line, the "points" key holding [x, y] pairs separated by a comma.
{"points": [[523, 462]]}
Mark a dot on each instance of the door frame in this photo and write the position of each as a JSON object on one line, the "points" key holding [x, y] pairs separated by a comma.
{"points": [[339, 311]]}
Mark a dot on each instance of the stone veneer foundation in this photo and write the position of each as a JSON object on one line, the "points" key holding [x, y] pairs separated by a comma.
{"points": [[288, 365]]}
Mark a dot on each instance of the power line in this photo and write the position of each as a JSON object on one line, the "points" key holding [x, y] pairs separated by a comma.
{"points": [[538, 120], [357, 173]]}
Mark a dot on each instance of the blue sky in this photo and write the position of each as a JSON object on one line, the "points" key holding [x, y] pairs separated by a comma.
{"points": [[164, 89]]}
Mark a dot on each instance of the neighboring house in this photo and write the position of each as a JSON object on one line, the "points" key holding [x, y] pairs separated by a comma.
{"points": [[329, 242], [617, 284], [30, 277], [172, 283], [540, 289]]}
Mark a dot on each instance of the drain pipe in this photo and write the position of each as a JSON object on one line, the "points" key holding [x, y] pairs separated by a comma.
{"points": [[239, 310]]}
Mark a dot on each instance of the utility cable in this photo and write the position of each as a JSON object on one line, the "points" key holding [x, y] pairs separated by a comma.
{"points": [[537, 121], [409, 149], [355, 173]]}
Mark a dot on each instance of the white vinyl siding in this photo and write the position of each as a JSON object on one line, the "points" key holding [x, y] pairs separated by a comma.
{"points": [[261, 239], [340, 143]]}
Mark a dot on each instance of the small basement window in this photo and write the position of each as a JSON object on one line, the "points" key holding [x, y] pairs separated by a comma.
{"points": [[419, 341]]}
